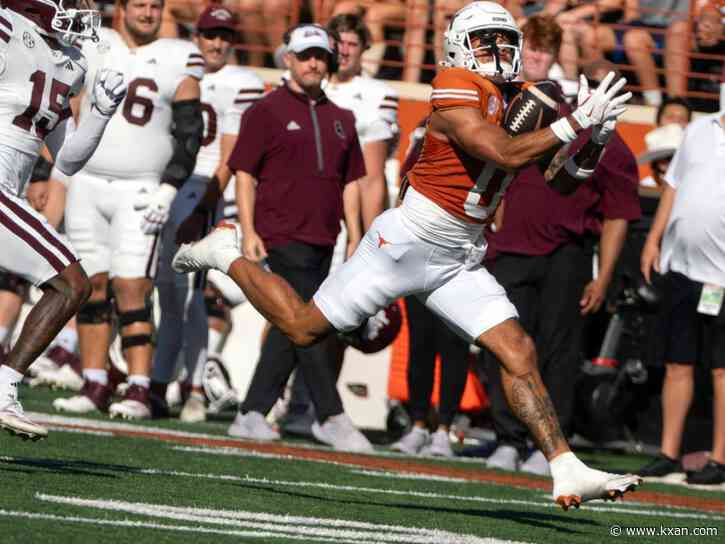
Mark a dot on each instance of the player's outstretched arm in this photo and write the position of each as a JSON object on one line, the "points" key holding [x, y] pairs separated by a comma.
{"points": [[71, 155]]}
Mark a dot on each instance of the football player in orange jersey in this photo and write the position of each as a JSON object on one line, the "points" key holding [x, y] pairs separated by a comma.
{"points": [[432, 244]]}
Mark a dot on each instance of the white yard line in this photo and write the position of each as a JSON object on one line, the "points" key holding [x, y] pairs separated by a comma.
{"points": [[282, 525], [632, 509]]}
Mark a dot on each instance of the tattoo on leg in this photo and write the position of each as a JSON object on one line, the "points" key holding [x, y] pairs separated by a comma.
{"points": [[530, 402]]}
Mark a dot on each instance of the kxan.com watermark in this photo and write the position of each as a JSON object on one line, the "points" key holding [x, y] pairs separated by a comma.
{"points": [[661, 530]]}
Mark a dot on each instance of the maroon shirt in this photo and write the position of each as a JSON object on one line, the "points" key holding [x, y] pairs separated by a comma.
{"points": [[302, 153], [537, 220]]}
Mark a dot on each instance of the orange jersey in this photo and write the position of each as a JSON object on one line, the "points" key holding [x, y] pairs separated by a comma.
{"points": [[468, 188]]}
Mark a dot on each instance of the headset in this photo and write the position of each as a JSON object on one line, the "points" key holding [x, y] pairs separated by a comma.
{"points": [[333, 64]]}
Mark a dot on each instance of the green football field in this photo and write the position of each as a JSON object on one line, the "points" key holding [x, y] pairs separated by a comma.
{"points": [[99, 480]]}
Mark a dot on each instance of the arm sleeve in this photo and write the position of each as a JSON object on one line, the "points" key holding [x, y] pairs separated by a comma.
{"points": [[81, 145], [252, 142], [194, 63], [453, 88]]}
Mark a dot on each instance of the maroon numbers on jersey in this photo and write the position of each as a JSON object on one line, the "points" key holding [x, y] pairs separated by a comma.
{"points": [[141, 114], [57, 104], [210, 124]]}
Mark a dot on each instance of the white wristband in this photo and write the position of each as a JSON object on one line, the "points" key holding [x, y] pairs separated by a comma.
{"points": [[563, 130], [574, 171]]}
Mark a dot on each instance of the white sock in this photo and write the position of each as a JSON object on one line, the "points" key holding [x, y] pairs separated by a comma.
{"points": [[139, 379], [67, 339], [98, 375], [215, 341], [4, 332], [9, 375], [652, 97], [563, 465]]}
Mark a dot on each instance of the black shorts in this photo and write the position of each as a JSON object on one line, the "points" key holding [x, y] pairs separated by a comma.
{"points": [[690, 336]]}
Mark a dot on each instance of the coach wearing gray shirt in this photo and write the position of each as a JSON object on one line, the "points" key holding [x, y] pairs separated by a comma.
{"points": [[691, 216], [296, 161]]}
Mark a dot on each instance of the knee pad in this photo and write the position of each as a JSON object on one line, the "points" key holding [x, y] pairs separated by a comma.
{"points": [[135, 340], [215, 307], [134, 316], [95, 313], [14, 284]]}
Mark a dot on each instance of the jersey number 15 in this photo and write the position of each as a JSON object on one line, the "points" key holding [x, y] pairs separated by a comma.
{"points": [[57, 104]]}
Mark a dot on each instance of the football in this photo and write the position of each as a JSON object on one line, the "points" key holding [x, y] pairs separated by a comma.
{"points": [[535, 107]]}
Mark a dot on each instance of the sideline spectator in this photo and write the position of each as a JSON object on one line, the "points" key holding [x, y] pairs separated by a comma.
{"points": [[689, 228], [662, 143], [375, 106], [290, 219], [544, 261], [674, 110], [376, 14], [117, 206], [708, 39], [226, 92], [659, 25]]}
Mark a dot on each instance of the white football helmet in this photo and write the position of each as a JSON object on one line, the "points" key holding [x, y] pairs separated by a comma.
{"points": [[484, 20], [68, 20]]}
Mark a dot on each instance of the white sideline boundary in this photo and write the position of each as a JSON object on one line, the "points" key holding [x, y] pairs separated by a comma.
{"points": [[279, 526]]}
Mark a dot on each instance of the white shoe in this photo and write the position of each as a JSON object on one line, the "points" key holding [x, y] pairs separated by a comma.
{"points": [[13, 418], [134, 405], [60, 378], [339, 432], [216, 250], [194, 410], [413, 442], [440, 445], [536, 464], [252, 426], [80, 404], [40, 365], [578, 483], [504, 458]]}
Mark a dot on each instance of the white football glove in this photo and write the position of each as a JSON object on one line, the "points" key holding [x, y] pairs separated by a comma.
{"points": [[593, 108], [109, 91], [156, 207]]}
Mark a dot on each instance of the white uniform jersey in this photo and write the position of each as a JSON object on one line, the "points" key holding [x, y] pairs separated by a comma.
{"points": [[138, 143], [374, 104], [37, 77], [225, 96]]}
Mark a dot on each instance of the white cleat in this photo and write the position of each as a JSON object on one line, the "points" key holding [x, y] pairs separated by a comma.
{"points": [[134, 405], [216, 250], [80, 404], [129, 409], [194, 410], [41, 365], [60, 378], [588, 484], [13, 418]]}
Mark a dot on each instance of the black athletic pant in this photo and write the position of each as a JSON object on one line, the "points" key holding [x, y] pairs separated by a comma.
{"points": [[546, 291], [305, 267], [428, 335]]}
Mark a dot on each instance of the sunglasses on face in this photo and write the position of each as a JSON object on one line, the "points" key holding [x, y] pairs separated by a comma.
{"points": [[214, 33], [314, 52]]}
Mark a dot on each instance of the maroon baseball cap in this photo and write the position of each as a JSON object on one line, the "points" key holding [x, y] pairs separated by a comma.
{"points": [[216, 16]]}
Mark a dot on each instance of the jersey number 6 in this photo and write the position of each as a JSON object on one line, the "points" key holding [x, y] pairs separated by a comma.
{"points": [[140, 115]]}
